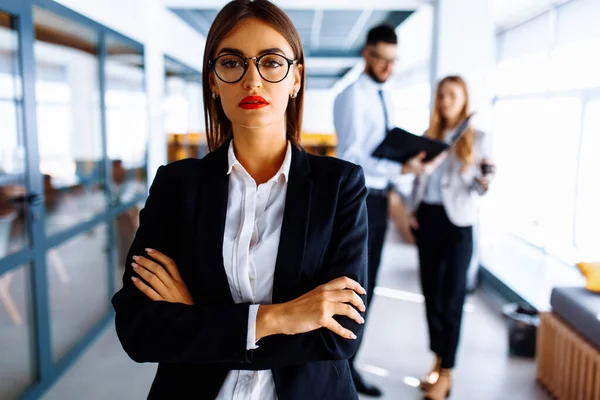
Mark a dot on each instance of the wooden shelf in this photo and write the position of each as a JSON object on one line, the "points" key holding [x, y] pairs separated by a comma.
{"points": [[193, 144]]}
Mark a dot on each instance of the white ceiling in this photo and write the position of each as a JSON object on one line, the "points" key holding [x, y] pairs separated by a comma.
{"points": [[508, 13], [332, 39]]}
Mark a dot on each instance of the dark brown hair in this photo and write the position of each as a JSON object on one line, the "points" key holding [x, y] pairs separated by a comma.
{"points": [[218, 126], [382, 33]]}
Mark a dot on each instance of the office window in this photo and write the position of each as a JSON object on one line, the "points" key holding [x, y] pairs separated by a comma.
{"points": [[560, 134], [65, 133], [588, 209], [78, 291], [536, 145], [126, 118], [577, 21], [68, 116], [576, 59], [13, 215], [516, 131], [531, 37], [17, 330], [17, 365], [184, 112], [526, 74], [183, 103], [546, 72], [523, 58]]}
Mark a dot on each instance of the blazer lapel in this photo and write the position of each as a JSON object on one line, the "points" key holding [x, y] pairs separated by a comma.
{"points": [[210, 227], [290, 255]]}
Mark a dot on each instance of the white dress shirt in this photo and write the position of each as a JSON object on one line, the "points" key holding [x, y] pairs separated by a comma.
{"points": [[359, 119], [250, 245]]}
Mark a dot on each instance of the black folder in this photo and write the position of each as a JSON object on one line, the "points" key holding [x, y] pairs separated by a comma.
{"points": [[400, 145]]}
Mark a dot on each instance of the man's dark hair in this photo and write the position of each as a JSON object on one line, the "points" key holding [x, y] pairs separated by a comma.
{"points": [[382, 33]]}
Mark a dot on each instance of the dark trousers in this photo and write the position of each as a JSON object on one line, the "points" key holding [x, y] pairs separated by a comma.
{"points": [[377, 211], [445, 252]]}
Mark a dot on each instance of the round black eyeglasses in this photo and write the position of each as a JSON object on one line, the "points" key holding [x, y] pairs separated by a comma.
{"points": [[272, 67]]}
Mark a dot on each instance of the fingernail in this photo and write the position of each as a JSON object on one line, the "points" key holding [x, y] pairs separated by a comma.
{"points": [[133, 278], [134, 265], [136, 258], [362, 320], [353, 336], [150, 250]]}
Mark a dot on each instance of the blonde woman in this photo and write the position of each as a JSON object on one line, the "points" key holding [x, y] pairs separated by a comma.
{"points": [[444, 208]]}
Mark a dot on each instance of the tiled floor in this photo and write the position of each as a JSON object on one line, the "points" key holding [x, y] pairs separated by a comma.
{"points": [[394, 352]]}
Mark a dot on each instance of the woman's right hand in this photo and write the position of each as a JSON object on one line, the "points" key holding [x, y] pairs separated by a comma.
{"points": [[412, 221], [417, 165], [414, 165], [314, 310]]}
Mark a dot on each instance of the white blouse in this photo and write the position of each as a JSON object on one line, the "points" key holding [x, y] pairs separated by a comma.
{"points": [[250, 245]]}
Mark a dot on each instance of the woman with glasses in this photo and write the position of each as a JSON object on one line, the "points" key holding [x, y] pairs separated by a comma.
{"points": [[246, 277]]}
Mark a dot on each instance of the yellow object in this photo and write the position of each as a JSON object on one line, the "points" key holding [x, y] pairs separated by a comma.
{"points": [[591, 271], [319, 143], [184, 145]]}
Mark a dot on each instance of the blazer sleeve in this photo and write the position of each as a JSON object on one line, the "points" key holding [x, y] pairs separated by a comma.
{"points": [[346, 256], [484, 153], [158, 331]]}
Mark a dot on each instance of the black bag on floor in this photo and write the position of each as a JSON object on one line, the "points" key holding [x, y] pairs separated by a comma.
{"points": [[523, 322]]}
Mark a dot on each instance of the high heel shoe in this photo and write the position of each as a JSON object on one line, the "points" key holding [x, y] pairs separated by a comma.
{"points": [[441, 389], [431, 378]]}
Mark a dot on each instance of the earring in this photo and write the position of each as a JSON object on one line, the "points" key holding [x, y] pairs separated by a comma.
{"points": [[214, 95], [293, 95]]}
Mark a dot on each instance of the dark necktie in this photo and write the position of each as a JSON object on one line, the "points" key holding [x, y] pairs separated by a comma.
{"points": [[385, 114]]}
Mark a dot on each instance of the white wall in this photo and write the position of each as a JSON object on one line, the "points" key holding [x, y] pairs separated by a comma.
{"points": [[318, 111], [195, 107], [464, 44], [414, 41], [161, 32]]}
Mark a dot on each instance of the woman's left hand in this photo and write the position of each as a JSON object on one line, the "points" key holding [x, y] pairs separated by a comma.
{"points": [[163, 278], [484, 182]]}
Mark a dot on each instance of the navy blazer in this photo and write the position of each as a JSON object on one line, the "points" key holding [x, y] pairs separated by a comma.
{"points": [[323, 237]]}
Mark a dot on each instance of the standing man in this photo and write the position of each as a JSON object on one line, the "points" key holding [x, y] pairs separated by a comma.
{"points": [[362, 117]]}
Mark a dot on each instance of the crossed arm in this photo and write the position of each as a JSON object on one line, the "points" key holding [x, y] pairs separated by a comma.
{"points": [[158, 321]]}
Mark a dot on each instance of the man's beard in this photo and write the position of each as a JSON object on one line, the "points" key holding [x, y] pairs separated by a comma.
{"points": [[372, 74]]}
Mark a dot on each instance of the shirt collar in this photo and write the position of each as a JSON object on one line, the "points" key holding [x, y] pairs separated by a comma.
{"points": [[369, 82], [283, 170]]}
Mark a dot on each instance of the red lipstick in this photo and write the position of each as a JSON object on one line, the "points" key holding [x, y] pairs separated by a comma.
{"points": [[253, 102]]}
